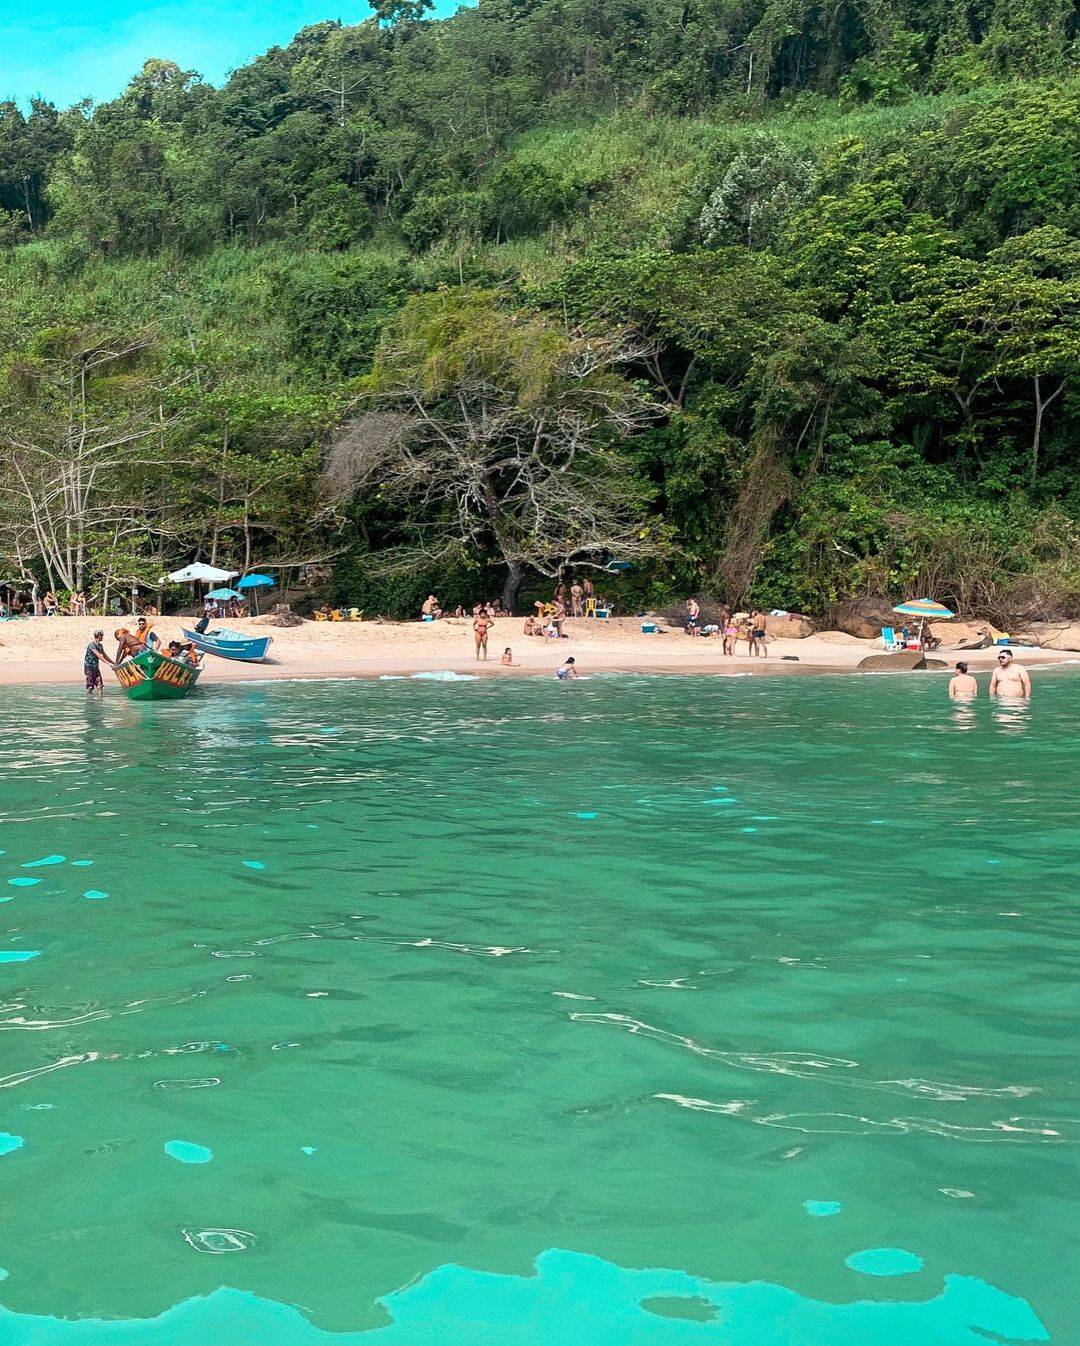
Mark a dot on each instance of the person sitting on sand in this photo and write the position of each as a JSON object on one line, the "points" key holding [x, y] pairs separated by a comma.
{"points": [[95, 651], [567, 671], [962, 686], [1010, 680], [507, 659], [430, 607], [757, 633], [481, 626], [459, 611], [529, 629]]}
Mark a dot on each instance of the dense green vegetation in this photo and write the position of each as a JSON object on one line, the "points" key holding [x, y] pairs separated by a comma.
{"points": [[772, 301]]}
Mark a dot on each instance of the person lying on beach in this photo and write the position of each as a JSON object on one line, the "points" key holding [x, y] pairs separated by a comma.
{"points": [[95, 651], [567, 671], [507, 659], [1010, 679], [481, 626], [962, 686]]}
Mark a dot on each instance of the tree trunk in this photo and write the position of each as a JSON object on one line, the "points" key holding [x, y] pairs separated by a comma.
{"points": [[515, 575]]}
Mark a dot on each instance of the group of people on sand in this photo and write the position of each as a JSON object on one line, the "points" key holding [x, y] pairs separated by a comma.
{"points": [[731, 627], [1009, 680], [74, 604], [128, 644], [431, 610]]}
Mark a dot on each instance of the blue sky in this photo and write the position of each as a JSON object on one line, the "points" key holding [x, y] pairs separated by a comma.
{"points": [[71, 49]]}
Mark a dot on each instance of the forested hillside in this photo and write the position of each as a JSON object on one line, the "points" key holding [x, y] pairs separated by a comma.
{"points": [[773, 301]]}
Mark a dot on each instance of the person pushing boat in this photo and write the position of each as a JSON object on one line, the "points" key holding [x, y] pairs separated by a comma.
{"points": [[95, 652]]}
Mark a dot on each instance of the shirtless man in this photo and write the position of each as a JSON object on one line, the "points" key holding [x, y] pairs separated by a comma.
{"points": [[693, 616], [481, 626], [962, 686], [430, 607], [1010, 680], [758, 626]]}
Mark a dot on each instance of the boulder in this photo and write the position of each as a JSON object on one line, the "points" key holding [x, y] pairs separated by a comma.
{"points": [[837, 637], [792, 626], [952, 634], [1054, 635], [865, 619], [901, 662]]}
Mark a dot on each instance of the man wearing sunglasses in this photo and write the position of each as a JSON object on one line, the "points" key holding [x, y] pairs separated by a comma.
{"points": [[1009, 680]]}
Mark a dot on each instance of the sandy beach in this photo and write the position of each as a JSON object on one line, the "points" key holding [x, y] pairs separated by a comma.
{"points": [[50, 650]]}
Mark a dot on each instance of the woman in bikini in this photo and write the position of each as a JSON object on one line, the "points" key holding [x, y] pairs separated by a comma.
{"points": [[481, 626], [730, 628]]}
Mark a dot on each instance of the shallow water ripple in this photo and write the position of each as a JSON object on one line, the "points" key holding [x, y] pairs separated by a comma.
{"points": [[403, 984]]}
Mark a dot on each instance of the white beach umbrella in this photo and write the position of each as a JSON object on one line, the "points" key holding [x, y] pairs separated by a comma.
{"points": [[199, 571]]}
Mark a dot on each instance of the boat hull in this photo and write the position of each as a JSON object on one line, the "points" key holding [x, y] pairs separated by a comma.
{"points": [[150, 676], [231, 645]]}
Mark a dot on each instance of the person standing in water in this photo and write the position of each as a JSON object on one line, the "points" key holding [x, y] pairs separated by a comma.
{"points": [[567, 671], [962, 686], [95, 652], [1010, 679], [481, 626]]}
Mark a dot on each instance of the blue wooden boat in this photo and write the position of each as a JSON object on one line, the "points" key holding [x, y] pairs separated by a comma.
{"points": [[230, 644]]}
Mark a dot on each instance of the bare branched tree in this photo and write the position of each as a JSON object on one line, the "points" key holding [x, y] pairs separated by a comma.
{"points": [[502, 432], [81, 423]]}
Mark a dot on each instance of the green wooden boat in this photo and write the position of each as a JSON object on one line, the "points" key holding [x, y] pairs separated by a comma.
{"points": [[151, 676]]}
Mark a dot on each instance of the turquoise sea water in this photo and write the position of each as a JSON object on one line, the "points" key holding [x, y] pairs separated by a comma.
{"points": [[735, 1011]]}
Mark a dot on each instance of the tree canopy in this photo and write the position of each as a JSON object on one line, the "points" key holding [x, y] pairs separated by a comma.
{"points": [[776, 302]]}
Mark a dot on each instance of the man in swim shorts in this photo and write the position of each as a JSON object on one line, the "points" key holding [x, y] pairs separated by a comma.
{"points": [[757, 633], [962, 686], [693, 616], [1010, 680], [95, 651]]}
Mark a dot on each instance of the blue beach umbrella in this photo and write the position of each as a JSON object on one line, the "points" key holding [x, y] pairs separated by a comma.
{"points": [[255, 583], [223, 593]]}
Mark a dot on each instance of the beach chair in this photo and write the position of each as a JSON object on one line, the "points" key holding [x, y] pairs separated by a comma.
{"points": [[888, 635], [356, 614]]}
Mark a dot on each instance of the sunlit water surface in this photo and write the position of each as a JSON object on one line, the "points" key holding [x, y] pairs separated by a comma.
{"points": [[735, 1011]]}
